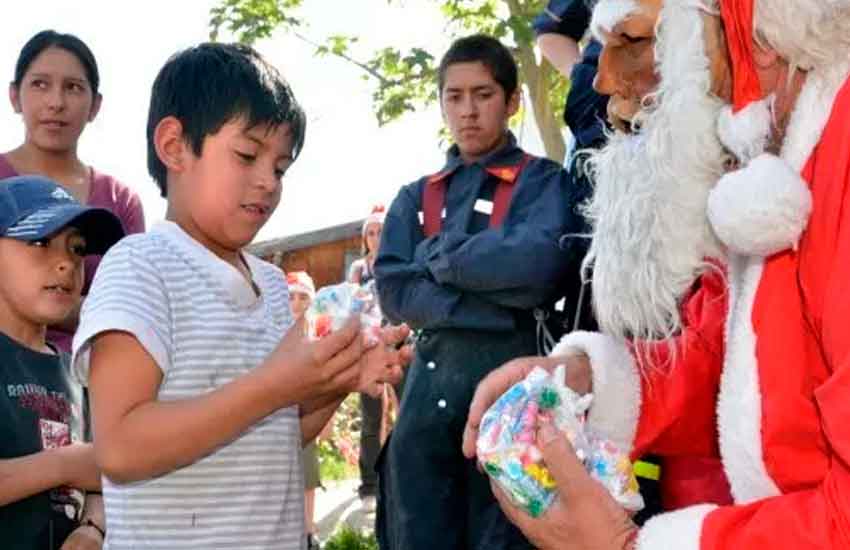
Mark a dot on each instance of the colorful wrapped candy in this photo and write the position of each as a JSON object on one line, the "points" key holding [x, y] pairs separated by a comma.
{"points": [[335, 304], [507, 443]]}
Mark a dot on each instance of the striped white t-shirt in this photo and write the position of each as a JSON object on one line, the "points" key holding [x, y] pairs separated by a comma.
{"points": [[204, 325]]}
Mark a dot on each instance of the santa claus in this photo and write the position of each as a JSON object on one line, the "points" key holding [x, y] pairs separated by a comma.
{"points": [[721, 275]]}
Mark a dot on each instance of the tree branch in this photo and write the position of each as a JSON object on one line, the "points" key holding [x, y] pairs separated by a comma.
{"points": [[372, 72]]}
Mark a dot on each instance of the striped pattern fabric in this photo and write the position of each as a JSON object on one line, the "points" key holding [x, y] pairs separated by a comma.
{"points": [[188, 309]]}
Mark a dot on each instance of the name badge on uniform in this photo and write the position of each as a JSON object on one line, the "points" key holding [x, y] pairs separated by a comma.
{"points": [[422, 216], [485, 207]]}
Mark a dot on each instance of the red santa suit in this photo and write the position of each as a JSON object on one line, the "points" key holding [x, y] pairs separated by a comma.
{"points": [[761, 375]]}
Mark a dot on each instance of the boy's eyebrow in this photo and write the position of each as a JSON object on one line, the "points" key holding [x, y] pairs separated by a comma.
{"points": [[256, 140], [481, 88]]}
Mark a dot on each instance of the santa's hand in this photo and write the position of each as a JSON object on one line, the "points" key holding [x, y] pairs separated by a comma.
{"points": [[577, 376], [583, 515]]}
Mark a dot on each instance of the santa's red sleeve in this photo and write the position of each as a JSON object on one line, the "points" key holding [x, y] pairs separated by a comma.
{"points": [[814, 518], [665, 402]]}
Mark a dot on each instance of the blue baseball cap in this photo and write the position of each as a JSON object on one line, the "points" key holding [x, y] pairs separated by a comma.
{"points": [[35, 207]]}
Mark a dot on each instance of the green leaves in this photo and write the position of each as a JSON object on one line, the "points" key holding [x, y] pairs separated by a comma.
{"points": [[346, 538], [337, 44], [408, 80], [252, 20]]}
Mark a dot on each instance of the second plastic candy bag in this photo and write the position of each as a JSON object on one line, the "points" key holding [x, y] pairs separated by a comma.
{"points": [[335, 304], [507, 443]]}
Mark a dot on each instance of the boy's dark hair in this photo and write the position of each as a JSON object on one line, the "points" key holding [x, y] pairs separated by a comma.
{"points": [[489, 51], [52, 39], [209, 85]]}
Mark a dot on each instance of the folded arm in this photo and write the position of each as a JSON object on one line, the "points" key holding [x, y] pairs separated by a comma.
{"points": [[408, 293], [519, 264], [29, 475]]}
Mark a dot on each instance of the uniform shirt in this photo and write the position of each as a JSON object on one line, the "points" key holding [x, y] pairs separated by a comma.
{"points": [[470, 275], [40, 408], [203, 324], [585, 111]]}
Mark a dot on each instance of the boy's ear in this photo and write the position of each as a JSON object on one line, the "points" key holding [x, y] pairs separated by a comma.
{"points": [[170, 146], [15, 97], [513, 102]]}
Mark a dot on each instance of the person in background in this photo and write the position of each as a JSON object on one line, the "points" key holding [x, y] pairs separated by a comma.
{"points": [[186, 341], [301, 294], [362, 272], [476, 281], [44, 236], [56, 91]]}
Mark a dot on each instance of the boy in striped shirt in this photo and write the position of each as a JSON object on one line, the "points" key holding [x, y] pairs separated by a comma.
{"points": [[200, 403]]}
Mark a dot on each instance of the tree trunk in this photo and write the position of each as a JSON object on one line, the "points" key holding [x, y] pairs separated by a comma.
{"points": [[535, 75]]}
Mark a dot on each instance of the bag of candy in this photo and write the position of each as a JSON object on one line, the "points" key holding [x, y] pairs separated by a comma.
{"points": [[507, 447], [335, 304]]}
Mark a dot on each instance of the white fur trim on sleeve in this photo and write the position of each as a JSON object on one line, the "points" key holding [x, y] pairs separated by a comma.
{"points": [[760, 209], [616, 384], [680, 529]]}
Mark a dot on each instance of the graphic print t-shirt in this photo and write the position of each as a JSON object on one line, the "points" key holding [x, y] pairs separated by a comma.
{"points": [[40, 408]]}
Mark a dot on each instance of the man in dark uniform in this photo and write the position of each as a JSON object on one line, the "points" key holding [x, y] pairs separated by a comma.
{"points": [[467, 256]]}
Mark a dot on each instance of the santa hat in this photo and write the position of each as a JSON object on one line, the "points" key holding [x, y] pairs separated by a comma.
{"points": [[743, 127], [763, 207], [300, 281], [376, 216]]}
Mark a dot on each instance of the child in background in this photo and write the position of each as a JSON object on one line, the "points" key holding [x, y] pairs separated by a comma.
{"points": [[44, 237], [301, 294], [185, 339], [371, 408]]}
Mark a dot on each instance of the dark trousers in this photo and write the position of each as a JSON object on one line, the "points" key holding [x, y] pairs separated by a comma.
{"points": [[432, 497], [370, 444]]}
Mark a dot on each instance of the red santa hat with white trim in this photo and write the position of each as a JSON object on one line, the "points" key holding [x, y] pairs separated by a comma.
{"points": [[300, 281], [763, 207], [377, 215], [744, 126]]}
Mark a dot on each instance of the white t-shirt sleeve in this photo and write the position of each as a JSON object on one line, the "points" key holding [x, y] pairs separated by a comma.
{"points": [[127, 295]]}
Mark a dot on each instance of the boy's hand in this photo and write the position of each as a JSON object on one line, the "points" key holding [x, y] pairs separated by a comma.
{"points": [[304, 370], [84, 537], [383, 363], [79, 469]]}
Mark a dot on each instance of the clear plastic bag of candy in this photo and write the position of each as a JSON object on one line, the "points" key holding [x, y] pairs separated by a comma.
{"points": [[335, 304], [507, 448]]}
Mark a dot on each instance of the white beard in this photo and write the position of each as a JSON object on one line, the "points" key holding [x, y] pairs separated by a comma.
{"points": [[651, 235]]}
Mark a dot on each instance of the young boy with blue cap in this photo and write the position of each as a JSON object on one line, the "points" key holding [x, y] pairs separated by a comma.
{"points": [[44, 236]]}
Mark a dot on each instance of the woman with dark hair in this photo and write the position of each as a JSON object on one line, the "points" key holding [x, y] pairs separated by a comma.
{"points": [[56, 92]]}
